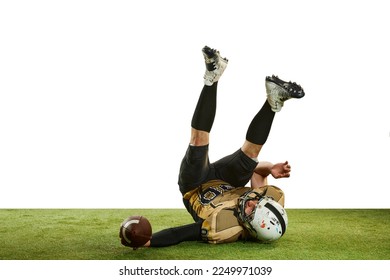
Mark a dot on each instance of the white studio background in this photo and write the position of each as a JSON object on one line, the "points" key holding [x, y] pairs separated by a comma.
{"points": [[96, 98]]}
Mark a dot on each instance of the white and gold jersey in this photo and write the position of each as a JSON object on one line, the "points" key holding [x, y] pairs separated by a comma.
{"points": [[215, 202]]}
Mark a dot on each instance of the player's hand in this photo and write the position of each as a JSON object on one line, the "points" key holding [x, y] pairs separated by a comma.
{"points": [[281, 170]]}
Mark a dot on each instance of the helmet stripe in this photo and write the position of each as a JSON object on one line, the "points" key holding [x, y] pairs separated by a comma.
{"points": [[278, 215]]}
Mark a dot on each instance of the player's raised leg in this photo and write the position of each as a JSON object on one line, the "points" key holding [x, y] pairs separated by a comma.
{"points": [[203, 117], [278, 91], [195, 165]]}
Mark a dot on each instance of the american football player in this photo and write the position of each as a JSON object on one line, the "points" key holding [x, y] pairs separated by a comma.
{"points": [[224, 209]]}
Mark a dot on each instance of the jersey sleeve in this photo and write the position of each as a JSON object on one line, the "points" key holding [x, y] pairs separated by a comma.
{"points": [[221, 227], [272, 191]]}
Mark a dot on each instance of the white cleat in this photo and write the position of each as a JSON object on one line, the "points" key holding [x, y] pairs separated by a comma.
{"points": [[279, 91], [215, 65]]}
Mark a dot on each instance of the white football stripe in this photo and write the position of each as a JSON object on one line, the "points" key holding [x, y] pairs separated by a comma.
{"points": [[131, 222], [125, 227]]}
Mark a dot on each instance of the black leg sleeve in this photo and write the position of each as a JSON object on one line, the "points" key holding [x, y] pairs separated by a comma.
{"points": [[173, 236], [205, 110], [260, 126]]}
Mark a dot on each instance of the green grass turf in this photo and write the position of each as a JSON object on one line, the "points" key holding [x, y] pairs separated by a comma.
{"points": [[92, 234]]}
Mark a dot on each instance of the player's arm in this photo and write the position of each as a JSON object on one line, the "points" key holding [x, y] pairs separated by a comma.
{"points": [[176, 235], [265, 168]]}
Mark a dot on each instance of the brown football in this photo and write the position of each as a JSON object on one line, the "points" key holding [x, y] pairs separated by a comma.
{"points": [[135, 231]]}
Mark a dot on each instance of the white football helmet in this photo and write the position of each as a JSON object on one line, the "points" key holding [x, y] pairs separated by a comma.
{"points": [[268, 220]]}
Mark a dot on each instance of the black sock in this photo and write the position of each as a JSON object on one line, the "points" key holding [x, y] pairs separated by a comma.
{"points": [[204, 114], [260, 126]]}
